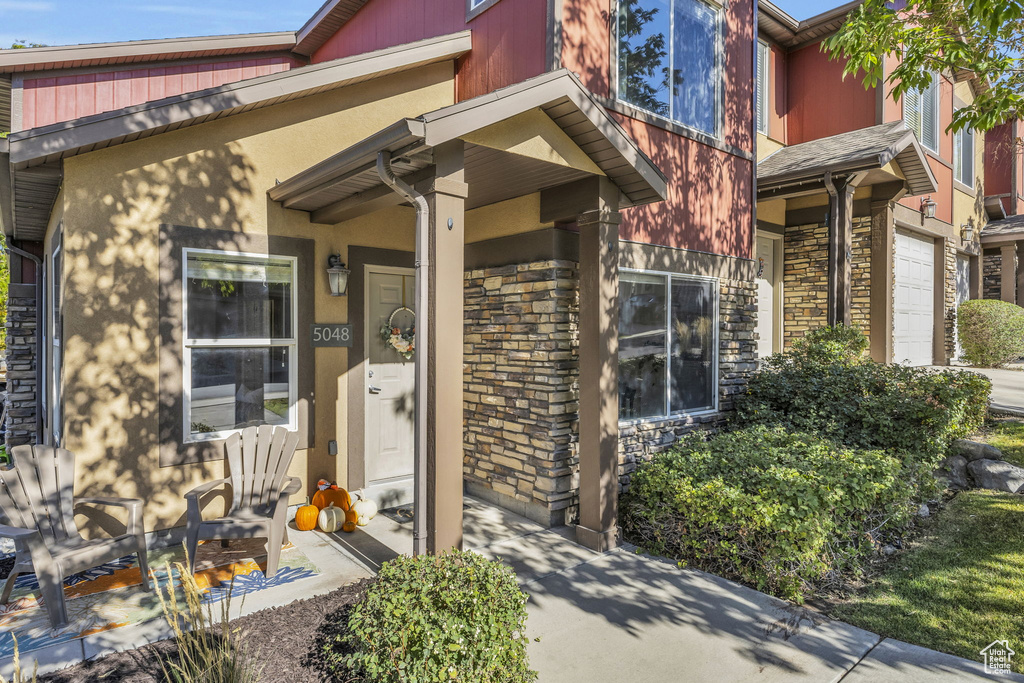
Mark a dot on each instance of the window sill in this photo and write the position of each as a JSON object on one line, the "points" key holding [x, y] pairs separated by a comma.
{"points": [[966, 189], [672, 126], [665, 418]]}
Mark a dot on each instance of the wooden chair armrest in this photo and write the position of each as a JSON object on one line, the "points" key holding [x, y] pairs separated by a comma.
{"points": [[132, 505], [292, 485], [16, 533], [193, 513], [207, 487]]}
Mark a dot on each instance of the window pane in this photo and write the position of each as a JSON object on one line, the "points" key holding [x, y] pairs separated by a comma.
{"points": [[694, 76], [642, 302], [232, 297], [232, 388], [644, 28], [693, 345]]}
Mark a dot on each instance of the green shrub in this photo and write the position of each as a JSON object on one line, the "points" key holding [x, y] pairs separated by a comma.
{"points": [[833, 344], [865, 404], [451, 617], [775, 509], [991, 332]]}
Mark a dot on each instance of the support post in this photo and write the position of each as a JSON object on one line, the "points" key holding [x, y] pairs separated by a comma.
{"points": [[599, 372], [1020, 272], [883, 240], [446, 197], [840, 246], [977, 269], [1008, 272]]}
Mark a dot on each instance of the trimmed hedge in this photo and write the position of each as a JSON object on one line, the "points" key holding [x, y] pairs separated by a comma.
{"points": [[451, 617], [991, 332], [858, 402], [775, 509]]}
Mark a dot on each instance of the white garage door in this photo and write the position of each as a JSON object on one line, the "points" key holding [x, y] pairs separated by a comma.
{"points": [[915, 300]]}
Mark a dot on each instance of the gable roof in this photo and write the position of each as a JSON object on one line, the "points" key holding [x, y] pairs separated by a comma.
{"points": [[47, 144], [331, 16], [859, 150], [790, 33], [1011, 228], [338, 184], [132, 51]]}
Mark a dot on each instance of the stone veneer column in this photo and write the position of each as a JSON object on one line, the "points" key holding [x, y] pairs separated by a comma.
{"points": [[22, 327], [1008, 269], [949, 300], [991, 278]]}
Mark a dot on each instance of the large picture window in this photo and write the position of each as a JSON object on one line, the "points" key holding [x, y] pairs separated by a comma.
{"points": [[669, 59], [668, 340], [963, 156], [240, 345], [921, 114]]}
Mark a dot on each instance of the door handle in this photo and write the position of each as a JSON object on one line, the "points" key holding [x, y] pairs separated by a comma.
{"points": [[374, 390]]}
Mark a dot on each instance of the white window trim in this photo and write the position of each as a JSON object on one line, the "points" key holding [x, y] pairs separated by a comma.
{"points": [[718, 73], [936, 93], [763, 86], [188, 343], [717, 295], [958, 152]]}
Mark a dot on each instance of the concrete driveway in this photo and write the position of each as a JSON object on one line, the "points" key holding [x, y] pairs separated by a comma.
{"points": [[1007, 387]]}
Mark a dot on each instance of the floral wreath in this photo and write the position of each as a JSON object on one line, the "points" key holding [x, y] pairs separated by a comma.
{"points": [[393, 336]]}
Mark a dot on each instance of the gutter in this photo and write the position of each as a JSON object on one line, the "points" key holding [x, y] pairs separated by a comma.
{"points": [[39, 337], [388, 177]]}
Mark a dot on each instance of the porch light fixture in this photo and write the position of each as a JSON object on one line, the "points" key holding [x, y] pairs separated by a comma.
{"points": [[967, 230], [337, 275], [928, 207]]}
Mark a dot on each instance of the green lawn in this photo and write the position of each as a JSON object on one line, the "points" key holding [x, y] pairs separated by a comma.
{"points": [[959, 587], [1007, 436]]}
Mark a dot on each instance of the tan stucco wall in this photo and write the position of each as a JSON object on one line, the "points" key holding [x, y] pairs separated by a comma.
{"points": [[971, 205], [212, 176], [216, 175], [767, 146]]}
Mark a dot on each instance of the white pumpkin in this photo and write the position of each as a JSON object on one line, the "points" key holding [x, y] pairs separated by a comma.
{"points": [[365, 509], [331, 518]]}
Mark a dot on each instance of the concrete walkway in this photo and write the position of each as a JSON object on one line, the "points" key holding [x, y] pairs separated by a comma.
{"points": [[1007, 387]]}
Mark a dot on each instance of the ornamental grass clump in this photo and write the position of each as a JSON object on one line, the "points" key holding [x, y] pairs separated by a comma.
{"points": [[778, 510], [451, 617]]}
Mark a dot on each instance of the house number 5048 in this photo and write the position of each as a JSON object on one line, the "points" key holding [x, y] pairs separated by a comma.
{"points": [[331, 335]]}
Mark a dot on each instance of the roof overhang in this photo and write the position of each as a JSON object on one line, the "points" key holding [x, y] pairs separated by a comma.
{"points": [[331, 16], [347, 184], [898, 149], [95, 54], [1005, 231], [785, 30]]}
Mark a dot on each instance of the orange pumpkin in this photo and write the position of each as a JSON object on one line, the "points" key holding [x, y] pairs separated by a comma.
{"points": [[351, 521], [305, 517], [339, 497]]}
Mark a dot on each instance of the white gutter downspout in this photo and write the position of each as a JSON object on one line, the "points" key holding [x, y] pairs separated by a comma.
{"points": [[388, 177]]}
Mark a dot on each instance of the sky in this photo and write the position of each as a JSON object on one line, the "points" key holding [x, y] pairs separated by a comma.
{"points": [[70, 22]]}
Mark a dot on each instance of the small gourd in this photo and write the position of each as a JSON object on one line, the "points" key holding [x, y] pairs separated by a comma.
{"points": [[306, 517], [331, 518], [365, 510], [351, 519]]}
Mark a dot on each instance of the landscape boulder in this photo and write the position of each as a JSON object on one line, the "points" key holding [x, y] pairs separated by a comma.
{"points": [[974, 450], [997, 475], [954, 471]]}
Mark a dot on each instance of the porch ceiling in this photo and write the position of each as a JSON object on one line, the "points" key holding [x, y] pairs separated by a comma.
{"points": [[347, 185]]}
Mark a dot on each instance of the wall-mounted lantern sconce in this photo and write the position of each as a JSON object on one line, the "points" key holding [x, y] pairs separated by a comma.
{"points": [[928, 207], [967, 230], [337, 275]]}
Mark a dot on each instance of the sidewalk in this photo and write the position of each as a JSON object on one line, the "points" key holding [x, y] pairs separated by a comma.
{"points": [[1007, 387]]}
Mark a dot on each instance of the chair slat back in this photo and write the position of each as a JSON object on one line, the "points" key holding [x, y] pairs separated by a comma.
{"points": [[259, 458], [38, 492]]}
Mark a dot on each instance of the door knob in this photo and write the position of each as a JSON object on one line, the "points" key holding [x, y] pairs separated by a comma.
{"points": [[374, 390]]}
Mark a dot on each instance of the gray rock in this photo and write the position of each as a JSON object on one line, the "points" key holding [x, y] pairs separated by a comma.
{"points": [[923, 511], [954, 471], [974, 450], [888, 550], [997, 475]]}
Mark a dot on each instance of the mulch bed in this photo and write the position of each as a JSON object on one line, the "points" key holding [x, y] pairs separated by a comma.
{"points": [[287, 641]]}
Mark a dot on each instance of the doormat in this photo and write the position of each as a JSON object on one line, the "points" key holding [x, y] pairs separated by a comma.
{"points": [[111, 596], [404, 514]]}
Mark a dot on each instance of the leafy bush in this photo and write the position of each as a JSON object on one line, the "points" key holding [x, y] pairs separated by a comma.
{"points": [[833, 344], [451, 617], [991, 332], [865, 404], [775, 509]]}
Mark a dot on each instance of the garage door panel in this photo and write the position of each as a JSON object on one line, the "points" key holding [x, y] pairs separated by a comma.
{"points": [[914, 299]]}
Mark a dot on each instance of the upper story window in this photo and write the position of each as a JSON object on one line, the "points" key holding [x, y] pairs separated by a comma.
{"points": [[963, 156], [763, 67], [669, 60], [240, 342], [921, 114], [668, 341]]}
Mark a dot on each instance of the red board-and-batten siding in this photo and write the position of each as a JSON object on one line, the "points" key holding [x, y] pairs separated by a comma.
{"points": [[709, 207], [53, 100]]}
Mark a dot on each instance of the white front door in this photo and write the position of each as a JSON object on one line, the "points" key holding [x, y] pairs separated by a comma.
{"points": [[914, 320], [766, 286], [390, 388], [963, 292]]}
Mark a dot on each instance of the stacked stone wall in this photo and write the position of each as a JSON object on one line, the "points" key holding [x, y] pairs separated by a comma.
{"points": [[21, 364]]}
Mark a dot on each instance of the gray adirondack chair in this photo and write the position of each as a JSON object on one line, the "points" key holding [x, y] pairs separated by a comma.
{"points": [[36, 500], [258, 461]]}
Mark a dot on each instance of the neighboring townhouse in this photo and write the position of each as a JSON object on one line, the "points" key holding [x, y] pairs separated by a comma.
{"points": [[1003, 237], [868, 211], [572, 218]]}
